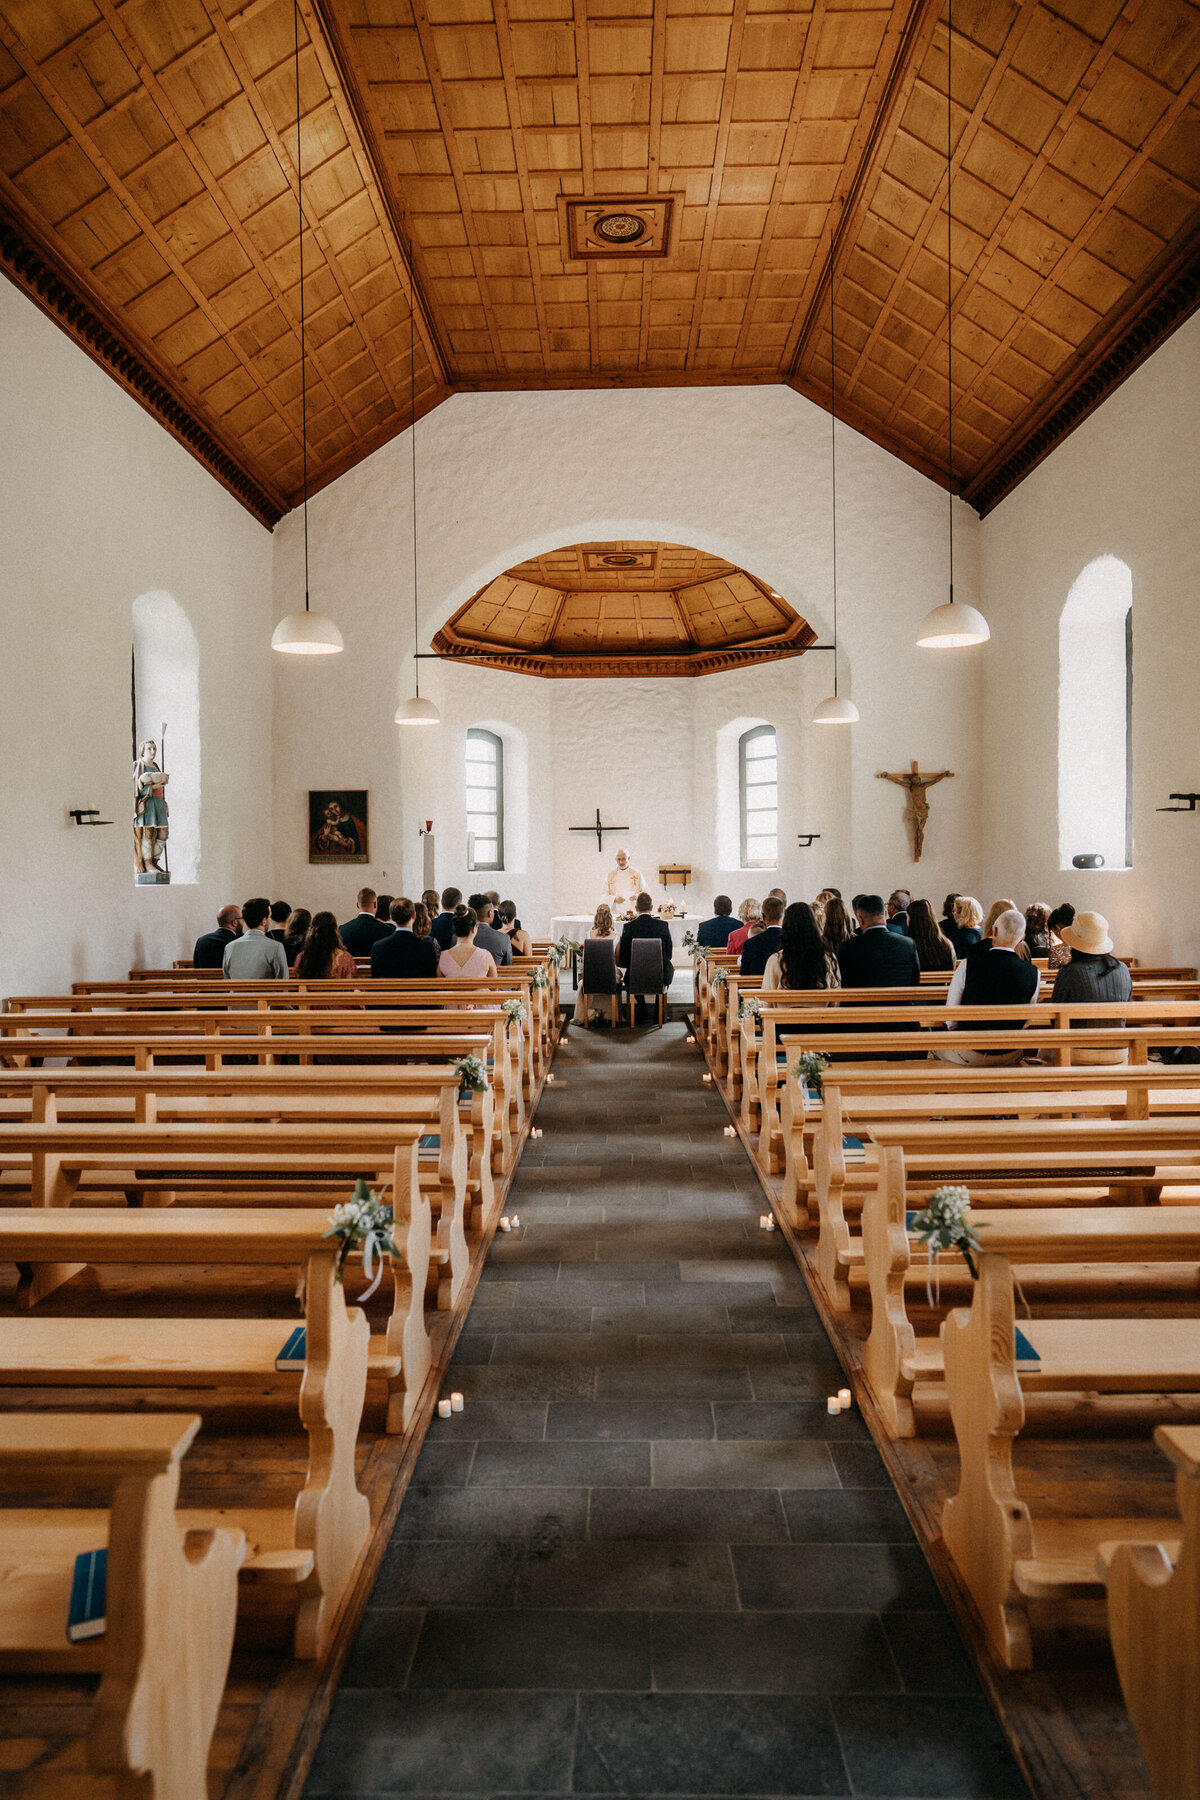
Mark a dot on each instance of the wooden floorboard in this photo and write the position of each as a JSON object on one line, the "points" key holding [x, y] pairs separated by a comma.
{"points": [[1065, 1720], [247, 1454]]}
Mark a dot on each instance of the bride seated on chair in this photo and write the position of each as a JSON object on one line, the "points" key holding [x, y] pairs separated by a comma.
{"points": [[602, 927]]}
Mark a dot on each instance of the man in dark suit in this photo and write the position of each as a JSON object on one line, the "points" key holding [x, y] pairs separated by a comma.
{"points": [[717, 930], [757, 951], [361, 934], [898, 904], [209, 951], [645, 925], [877, 957], [400, 954], [442, 929], [281, 912]]}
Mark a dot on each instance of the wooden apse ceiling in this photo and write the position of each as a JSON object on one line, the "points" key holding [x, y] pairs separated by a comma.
{"points": [[604, 192], [623, 609]]}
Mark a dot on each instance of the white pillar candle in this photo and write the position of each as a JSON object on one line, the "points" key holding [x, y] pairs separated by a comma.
{"points": [[456, 1403], [770, 1221], [762, 1221], [690, 1040], [515, 1221], [504, 1225], [833, 1406], [729, 1131], [707, 1079], [845, 1399], [549, 1080], [444, 1409]]}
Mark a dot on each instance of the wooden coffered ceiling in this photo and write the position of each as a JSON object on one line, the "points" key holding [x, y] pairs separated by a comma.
{"points": [[148, 202], [623, 609]]}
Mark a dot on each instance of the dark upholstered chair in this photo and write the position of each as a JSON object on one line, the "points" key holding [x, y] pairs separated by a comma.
{"points": [[600, 973], [645, 975]]}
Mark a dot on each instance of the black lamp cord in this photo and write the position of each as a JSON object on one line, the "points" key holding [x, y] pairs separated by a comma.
{"points": [[412, 385], [833, 453], [950, 285], [303, 356]]}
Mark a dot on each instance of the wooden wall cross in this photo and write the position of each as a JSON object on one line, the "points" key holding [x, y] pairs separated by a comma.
{"points": [[918, 805]]}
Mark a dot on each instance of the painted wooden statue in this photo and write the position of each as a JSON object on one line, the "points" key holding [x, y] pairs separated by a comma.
{"points": [[150, 812], [918, 805]]}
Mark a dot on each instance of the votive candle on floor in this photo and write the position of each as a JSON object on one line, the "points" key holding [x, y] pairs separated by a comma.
{"points": [[845, 1399], [444, 1409], [456, 1403], [833, 1406]]}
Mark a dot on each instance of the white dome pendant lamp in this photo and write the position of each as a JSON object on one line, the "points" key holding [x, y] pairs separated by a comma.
{"points": [[415, 711], [304, 633], [837, 710], [953, 625]]}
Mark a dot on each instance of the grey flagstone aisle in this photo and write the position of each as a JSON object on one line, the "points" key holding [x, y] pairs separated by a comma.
{"points": [[644, 1560]]}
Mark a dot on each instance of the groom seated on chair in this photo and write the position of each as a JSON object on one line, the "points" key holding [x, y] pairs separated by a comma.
{"points": [[645, 925]]}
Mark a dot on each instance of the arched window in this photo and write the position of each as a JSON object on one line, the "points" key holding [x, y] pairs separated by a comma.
{"points": [[1095, 703], [758, 766], [485, 800]]}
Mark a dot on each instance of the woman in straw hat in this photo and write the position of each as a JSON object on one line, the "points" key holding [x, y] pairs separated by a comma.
{"points": [[1093, 974]]}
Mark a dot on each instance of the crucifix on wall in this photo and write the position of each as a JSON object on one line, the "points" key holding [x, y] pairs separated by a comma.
{"points": [[599, 830], [918, 805]]}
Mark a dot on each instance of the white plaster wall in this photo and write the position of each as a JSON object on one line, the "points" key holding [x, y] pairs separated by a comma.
{"points": [[742, 472], [99, 505], [1125, 484]]}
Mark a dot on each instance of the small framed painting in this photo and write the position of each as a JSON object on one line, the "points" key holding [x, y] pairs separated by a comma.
{"points": [[337, 825]]}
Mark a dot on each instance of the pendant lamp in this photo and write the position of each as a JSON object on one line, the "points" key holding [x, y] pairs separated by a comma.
{"points": [[304, 633], [415, 711], [836, 710], [953, 625]]}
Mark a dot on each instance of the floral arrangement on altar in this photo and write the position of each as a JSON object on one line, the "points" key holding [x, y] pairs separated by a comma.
{"points": [[669, 910], [362, 1223], [630, 912]]}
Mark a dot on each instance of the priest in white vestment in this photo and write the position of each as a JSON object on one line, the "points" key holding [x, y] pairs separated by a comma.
{"points": [[624, 882]]}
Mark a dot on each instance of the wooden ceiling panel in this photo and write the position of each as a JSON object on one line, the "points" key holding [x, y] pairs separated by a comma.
{"points": [[623, 609], [147, 200]]}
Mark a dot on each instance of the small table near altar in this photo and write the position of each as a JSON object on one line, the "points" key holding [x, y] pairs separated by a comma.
{"points": [[577, 925]]}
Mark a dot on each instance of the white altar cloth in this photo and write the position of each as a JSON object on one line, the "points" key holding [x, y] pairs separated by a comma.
{"points": [[577, 925]]}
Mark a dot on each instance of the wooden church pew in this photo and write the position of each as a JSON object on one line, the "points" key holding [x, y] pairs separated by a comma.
{"points": [[1154, 1624], [312, 1544], [1007, 1555], [171, 1593]]}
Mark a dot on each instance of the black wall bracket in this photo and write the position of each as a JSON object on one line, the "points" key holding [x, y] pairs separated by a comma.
{"points": [[86, 815]]}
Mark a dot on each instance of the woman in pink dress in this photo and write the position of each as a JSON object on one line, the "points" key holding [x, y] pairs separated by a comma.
{"points": [[463, 962]]}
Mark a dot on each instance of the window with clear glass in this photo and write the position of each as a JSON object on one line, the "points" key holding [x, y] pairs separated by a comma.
{"points": [[759, 770], [485, 800], [1095, 705]]}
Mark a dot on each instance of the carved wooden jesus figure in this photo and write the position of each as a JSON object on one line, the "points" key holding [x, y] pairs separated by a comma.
{"points": [[918, 805]]}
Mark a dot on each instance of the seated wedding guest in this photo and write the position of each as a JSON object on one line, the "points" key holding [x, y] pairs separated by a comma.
{"points": [[644, 925], [995, 909], [494, 897], [442, 928], [946, 922], [802, 959], [295, 932], [933, 947], [255, 956], [757, 951], [463, 961], [281, 912], [363, 931], [402, 955], [826, 895], [508, 922], [875, 956], [992, 974], [1037, 929], [422, 920], [486, 935], [209, 950], [431, 900], [838, 924], [1058, 953], [602, 927], [968, 917], [1093, 974], [749, 909], [899, 901], [324, 956], [383, 907], [718, 930]]}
